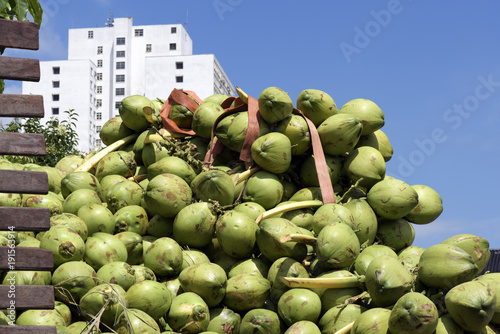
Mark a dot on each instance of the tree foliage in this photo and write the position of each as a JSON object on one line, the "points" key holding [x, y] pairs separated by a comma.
{"points": [[61, 137]]}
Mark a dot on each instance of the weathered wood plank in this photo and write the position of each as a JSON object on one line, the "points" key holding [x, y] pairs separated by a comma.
{"points": [[24, 69], [40, 297], [26, 258], [22, 144], [24, 182], [27, 330], [19, 34], [24, 219], [17, 105]]}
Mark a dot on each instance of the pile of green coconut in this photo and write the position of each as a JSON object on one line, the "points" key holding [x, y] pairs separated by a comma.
{"points": [[247, 215]]}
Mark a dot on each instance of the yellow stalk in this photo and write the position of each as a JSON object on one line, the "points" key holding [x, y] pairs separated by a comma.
{"points": [[243, 96], [288, 207], [246, 174], [300, 238], [321, 283], [87, 165], [148, 113], [138, 178], [346, 329]]}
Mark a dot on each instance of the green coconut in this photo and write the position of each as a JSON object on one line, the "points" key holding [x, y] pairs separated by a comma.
{"points": [[395, 233], [316, 105], [72, 280], [194, 225], [117, 272], [65, 244], [365, 222], [102, 248], [69, 163], [264, 188], [11, 199], [108, 300], [153, 152], [331, 213], [245, 292], [133, 243], [252, 209], [272, 152], [414, 313], [337, 246], [190, 257], [49, 201], [133, 320], [429, 207], [339, 317], [334, 297], [207, 280], [172, 165], [132, 114], [477, 247], [367, 111], [299, 304], [160, 226], [249, 266], [444, 266], [365, 166], [379, 140], [372, 321], [214, 185], [116, 163], [107, 182], [189, 313], [224, 320], [387, 280], [392, 198], [113, 130], [97, 217], [139, 143], [79, 198], [132, 218], [268, 235], [151, 297], [410, 257], [274, 104], [493, 280], [123, 194], [368, 254], [232, 130], [204, 118], [216, 98], [48, 317], [236, 233], [72, 221], [340, 133], [181, 115], [471, 304], [164, 257], [260, 321], [167, 194], [284, 267], [296, 129], [309, 175]]}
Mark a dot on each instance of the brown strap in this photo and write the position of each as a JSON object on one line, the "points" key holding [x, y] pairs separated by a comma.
{"points": [[182, 98], [325, 183], [252, 131]]}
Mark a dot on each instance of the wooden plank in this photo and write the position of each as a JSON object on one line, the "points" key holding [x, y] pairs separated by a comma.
{"points": [[17, 105], [24, 219], [23, 296], [32, 144], [24, 69], [24, 182], [26, 258], [28, 330], [19, 34]]}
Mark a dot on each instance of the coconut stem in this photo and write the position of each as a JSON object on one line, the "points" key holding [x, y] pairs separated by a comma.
{"points": [[246, 174], [300, 238], [345, 329], [242, 95], [288, 207], [322, 283], [138, 178], [355, 185], [87, 165]]}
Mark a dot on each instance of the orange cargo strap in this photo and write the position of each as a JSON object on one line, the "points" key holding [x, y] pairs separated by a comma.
{"points": [[182, 97]]}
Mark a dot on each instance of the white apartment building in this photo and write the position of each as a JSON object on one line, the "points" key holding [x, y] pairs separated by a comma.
{"points": [[109, 63]]}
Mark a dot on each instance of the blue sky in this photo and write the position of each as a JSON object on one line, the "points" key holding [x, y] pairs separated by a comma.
{"points": [[432, 67]]}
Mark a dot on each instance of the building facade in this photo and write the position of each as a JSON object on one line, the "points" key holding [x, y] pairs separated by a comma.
{"points": [[107, 64]]}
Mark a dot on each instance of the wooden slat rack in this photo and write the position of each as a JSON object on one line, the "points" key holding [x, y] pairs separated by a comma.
{"points": [[23, 35]]}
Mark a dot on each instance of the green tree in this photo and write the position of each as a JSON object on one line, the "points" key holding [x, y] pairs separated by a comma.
{"points": [[19, 9], [61, 138]]}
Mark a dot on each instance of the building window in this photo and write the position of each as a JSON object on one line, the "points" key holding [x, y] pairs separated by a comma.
{"points": [[173, 30], [120, 54], [99, 90], [98, 142], [120, 78], [98, 103], [139, 32], [55, 84], [99, 50], [56, 70], [90, 34], [120, 91], [98, 76], [148, 47], [55, 111], [179, 78], [173, 46], [98, 116], [98, 128], [120, 41], [120, 65], [99, 63], [55, 97], [179, 65], [118, 104]]}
